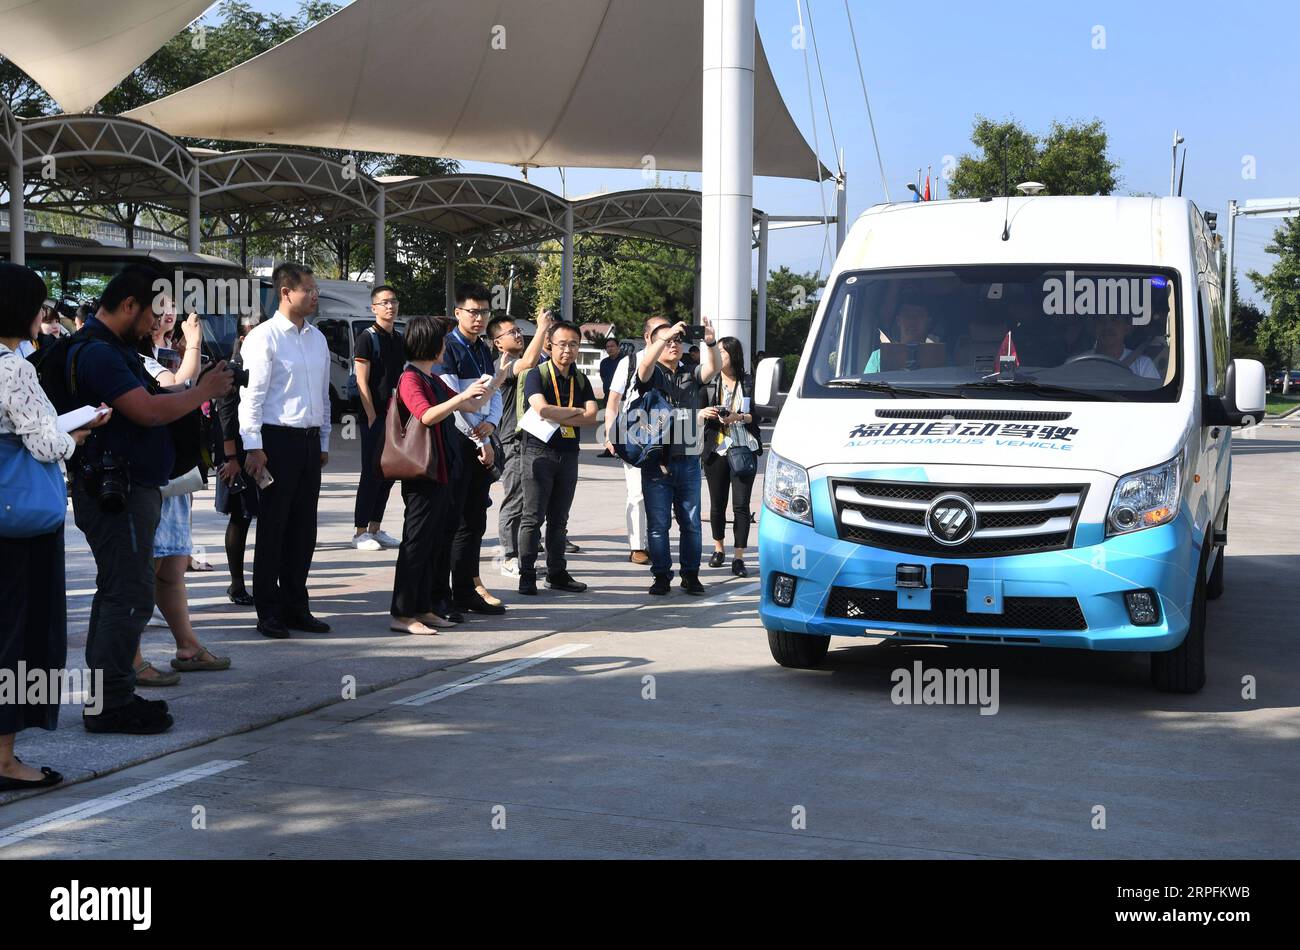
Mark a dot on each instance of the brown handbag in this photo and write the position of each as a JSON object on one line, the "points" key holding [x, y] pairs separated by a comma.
{"points": [[409, 451]]}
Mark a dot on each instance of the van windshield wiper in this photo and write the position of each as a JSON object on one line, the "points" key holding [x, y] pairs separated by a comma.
{"points": [[1034, 386], [879, 386]]}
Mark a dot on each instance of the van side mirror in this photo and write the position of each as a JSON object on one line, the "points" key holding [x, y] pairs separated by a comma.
{"points": [[1244, 397], [767, 385]]}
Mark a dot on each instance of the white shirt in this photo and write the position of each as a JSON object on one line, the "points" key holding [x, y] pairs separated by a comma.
{"points": [[619, 383], [1142, 366], [288, 380]]}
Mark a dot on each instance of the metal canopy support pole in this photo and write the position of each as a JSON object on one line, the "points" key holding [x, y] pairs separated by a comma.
{"points": [[566, 267], [451, 277], [17, 218], [1227, 277], [727, 193], [381, 222], [841, 210], [195, 226], [760, 342]]}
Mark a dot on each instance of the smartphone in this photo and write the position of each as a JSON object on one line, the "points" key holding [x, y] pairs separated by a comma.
{"points": [[265, 480], [694, 333]]}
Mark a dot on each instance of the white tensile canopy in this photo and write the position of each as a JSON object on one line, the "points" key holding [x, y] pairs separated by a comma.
{"points": [[592, 83], [78, 50]]}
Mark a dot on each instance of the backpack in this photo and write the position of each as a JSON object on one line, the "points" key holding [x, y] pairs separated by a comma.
{"points": [[644, 425]]}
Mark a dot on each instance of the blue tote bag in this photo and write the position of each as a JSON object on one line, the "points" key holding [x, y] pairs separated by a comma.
{"points": [[33, 496]]}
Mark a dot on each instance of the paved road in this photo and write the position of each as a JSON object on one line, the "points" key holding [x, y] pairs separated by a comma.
{"points": [[554, 747]]}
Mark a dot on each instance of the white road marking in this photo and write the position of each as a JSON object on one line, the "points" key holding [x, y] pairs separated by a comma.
{"points": [[95, 806], [487, 676]]}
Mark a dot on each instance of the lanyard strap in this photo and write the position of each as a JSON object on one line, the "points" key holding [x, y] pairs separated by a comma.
{"points": [[469, 348], [555, 385]]}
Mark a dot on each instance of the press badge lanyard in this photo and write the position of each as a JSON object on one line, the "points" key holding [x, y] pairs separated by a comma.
{"points": [[565, 431]]}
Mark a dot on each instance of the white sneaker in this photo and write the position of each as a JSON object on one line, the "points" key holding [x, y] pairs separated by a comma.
{"points": [[386, 539], [510, 567], [366, 542]]}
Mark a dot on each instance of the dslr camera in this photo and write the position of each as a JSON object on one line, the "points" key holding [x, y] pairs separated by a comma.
{"points": [[107, 479]]}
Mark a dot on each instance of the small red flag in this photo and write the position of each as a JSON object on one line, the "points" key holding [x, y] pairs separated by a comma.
{"points": [[1008, 348], [927, 186]]}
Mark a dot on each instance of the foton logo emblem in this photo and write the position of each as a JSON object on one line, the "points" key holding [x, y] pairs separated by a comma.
{"points": [[951, 519]]}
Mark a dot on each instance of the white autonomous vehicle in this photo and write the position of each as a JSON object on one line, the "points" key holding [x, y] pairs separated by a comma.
{"points": [[1011, 424]]}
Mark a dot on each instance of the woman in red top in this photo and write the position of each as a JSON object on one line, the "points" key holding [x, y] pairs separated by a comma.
{"points": [[428, 398]]}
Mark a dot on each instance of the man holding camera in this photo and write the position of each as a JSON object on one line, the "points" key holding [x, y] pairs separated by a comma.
{"points": [[284, 420], [116, 482], [673, 485]]}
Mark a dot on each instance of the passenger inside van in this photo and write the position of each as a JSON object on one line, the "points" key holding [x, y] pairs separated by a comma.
{"points": [[912, 347]]}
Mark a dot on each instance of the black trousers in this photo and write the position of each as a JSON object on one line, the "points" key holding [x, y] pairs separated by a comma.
{"points": [[422, 530], [286, 522], [459, 558], [550, 478], [717, 472], [122, 544], [372, 490], [33, 623]]}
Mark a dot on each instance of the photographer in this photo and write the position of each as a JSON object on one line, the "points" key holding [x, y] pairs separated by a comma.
{"points": [[115, 487]]}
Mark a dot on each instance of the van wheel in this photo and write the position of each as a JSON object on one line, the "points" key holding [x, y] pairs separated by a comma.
{"points": [[799, 651], [1182, 669]]}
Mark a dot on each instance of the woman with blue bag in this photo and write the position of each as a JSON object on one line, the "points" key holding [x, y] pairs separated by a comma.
{"points": [[33, 503]]}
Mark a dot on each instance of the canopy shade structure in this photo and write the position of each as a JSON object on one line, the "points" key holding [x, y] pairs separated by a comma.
{"points": [[589, 83], [78, 50]]}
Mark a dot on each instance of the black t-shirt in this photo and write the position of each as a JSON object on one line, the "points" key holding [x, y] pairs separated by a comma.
{"points": [[386, 354], [575, 391], [509, 392], [683, 389], [107, 369]]}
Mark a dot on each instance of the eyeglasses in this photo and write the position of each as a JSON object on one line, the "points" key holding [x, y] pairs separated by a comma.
{"points": [[389, 302], [512, 332], [479, 312], [567, 345]]}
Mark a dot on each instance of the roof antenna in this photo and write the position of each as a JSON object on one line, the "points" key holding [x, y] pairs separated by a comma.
{"points": [[1182, 169], [1006, 214]]}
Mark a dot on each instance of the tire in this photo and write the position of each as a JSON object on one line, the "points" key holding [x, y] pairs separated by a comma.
{"points": [[798, 651], [1182, 669]]}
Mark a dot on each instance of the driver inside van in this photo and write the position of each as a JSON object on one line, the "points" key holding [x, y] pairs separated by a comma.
{"points": [[1110, 332], [913, 322]]}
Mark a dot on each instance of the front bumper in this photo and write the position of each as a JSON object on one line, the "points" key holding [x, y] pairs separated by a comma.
{"points": [[1096, 572]]}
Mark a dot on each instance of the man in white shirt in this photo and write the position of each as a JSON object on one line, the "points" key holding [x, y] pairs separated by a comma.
{"points": [[284, 421], [635, 506]]}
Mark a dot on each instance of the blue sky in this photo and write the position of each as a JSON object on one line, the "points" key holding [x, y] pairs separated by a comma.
{"points": [[1225, 74]]}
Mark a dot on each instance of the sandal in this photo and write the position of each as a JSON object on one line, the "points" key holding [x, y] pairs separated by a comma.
{"points": [[201, 566], [198, 664], [158, 679]]}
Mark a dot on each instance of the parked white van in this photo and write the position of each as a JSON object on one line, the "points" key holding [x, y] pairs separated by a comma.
{"points": [[1011, 424]]}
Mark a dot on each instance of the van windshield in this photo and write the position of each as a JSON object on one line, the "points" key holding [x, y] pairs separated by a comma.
{"points": [[1084, 332]]}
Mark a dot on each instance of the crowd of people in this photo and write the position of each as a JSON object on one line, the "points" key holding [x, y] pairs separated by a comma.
{"points": [[450, 405]]}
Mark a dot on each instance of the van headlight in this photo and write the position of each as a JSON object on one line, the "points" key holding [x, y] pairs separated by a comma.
{"points": [[785, 489], [1145, 499]]}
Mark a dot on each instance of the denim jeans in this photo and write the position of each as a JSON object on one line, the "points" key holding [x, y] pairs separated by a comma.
{"points": [[676, 494]]}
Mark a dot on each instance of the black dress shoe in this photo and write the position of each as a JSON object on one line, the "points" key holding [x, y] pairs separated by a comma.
{"points": [[270, 627], [717, 559], [306, 623], [738, 568], [446, 611], [241, 597], [691, 583], [528, 583], [48, 777], [140, 717], [565, 582], [662, 585], [473, 603], [571, 548]]}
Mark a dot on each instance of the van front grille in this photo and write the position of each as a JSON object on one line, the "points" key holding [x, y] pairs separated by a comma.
{"points": [[1010, 519]]}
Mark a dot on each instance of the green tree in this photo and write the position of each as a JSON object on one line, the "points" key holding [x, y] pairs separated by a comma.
{"points": [[1069, 160], [1278, 334], [791, 303]]}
